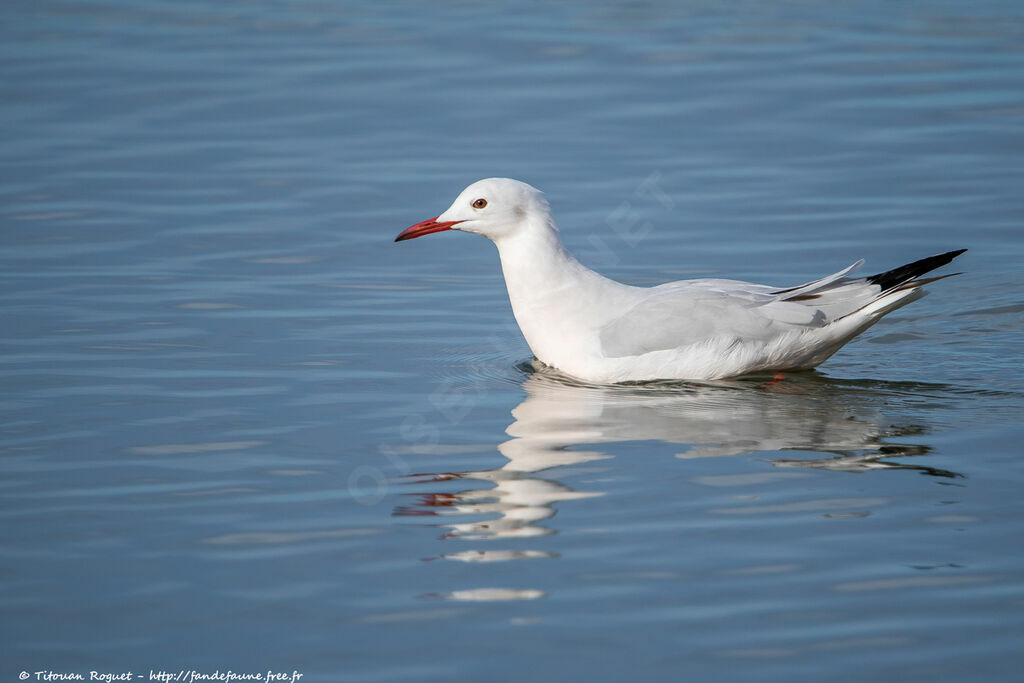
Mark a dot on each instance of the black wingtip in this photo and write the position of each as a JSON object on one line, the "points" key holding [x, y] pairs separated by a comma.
{"points": [[897, 276]]}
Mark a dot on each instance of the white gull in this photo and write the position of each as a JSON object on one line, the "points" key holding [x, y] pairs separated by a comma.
{"points": [[602, 331]]}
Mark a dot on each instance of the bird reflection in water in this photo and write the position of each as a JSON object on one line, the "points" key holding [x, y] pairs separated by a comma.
{"points": [[804, 412]]}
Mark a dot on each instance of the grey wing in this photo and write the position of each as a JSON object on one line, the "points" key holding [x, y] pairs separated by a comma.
{"points": [[817, 285], [693, 311]]}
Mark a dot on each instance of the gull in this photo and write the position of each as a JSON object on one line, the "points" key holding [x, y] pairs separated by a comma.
{"points": [[602, 331]]}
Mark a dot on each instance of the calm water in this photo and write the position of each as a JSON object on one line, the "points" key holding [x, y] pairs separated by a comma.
{"points": [[242, 429]]}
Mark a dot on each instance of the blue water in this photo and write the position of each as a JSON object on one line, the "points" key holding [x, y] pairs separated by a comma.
{"points": [[242, 429]]}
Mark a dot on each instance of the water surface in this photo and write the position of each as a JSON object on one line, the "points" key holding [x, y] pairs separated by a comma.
{"points": [[244, 430]]}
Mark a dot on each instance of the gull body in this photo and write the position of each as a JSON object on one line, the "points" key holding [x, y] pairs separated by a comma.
{"points": [[603, 331]]}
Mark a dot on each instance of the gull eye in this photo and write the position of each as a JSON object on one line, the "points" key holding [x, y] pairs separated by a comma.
{"points": [[479, 203]]}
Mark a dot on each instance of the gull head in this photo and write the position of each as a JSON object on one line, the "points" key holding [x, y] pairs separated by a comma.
{"points": [[496, 208]]}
